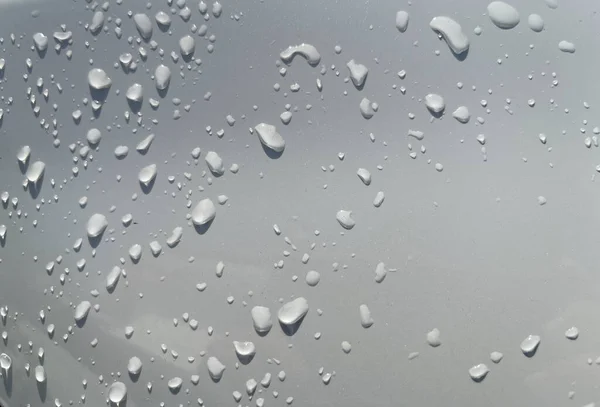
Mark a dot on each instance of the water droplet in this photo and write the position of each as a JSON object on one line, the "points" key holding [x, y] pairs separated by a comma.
{"points": [[380, 272], [145, 144], [96, 225], [187, 46], [93, 136], [366, 320], [143, 25], [269, 137], [113, 278], [419, 135], [163, 19], [40, 41], [40, 374], [452, 33], [174, 384], [245, 351], [23, 155], [435, 103], [433, 338], [162, 75], [530, 344], [5, 364], [566, 46], [292, 313], [503, 15], [261, 319], [462, 114], [35, 172], [134, 366], [572, 333], [345, 219], [135, 93], [117, 394], [366, 108], [478, 372], [204, 212], [81, 311], [379, 198], [312, 278], [215, 368], [536, 22], [147, 175], [358, 73], [541, 200], [97, 22], [364, 175], [98, 79], [307, 51], [496, 357], [402, 20], [215, 163], [175, 237]]}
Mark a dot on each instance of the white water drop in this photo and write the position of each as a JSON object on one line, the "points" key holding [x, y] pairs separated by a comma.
{"points": [[174, 384], [175, 237], [344, 218], [117, 393], [307, 51], [35, 172], [40, 41], [162, 76], [435, 103], [402, 18], [135, 93], [204, 212], [261, 319], [536, 22], [364, 175], [113, 278], [479, 372], [452, 33], [496, 357], [530, 344], [379, 198], [245, 351], [135, 252], [366, 320], [97, 22], [366, 108], [98, 79], [145, 144], [380, 272], [163, 19], [23, 155], [187, 45], [433, 338], [572, 333], [312, 278], [82, 310], [147, 175], [93, 136], [134, 366], [269, 137], [96, 225], [566, 46], [214, 163], [503, 15], [40, 374], [215, 368], [143, 25], [293, 312], [462, 114], [358, 73]]}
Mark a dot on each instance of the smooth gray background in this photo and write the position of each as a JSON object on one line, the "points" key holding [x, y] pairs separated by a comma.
{"points": [[477, 257]]}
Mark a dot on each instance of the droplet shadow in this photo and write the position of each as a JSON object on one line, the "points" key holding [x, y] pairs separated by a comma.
{"points": [[202, 229], [272, 154]]}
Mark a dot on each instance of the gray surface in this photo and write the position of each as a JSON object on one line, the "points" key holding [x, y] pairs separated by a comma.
{"points": [[477, 257]]}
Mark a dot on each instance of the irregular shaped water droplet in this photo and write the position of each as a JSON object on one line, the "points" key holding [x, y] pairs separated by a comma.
{"points": [[162, 76], [496, 357], [35, 172], [269, 137], [175, 237], [215, 368], [204, 212], [462, 114], [40, 41], [358, 73], [572, 333], [452, 33], [145, 144], [98, 79], [147, 175], [245, 351], [435, 103], [81, 311], [364, 175], [215, 163], [307, 51], [135, 93], [344, 218]]}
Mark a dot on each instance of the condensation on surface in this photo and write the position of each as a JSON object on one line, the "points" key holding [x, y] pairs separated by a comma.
{"points": [[263, 203]]}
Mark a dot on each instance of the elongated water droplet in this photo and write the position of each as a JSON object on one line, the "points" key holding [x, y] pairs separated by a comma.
{"points": [[117, 394], [162, 75], [40, 374], [380, 272], [23, 155], [269, 137], [143, 25], [293, 312], [204, 212], [402, 20], [215, 163], [82, 310], [366, 320], [307, 51], [35, 172], [344, 218], [113, 278], [96, 225], [147, 175], [452, 33]]}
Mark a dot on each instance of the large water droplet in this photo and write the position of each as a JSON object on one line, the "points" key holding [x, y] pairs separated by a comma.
{"points": [[187, 46], [435, 103], [162, 75], [261, 319], [307, 51], [143, 25], [117, 394], [503, 15], [204, 212], [290, 315], [269, 137], [452, 33], [402, 20], [215, 368], [366, 320], [215, 163], [98, 79], [96, 225], [35, 172], [344, 218], [245, 351]]}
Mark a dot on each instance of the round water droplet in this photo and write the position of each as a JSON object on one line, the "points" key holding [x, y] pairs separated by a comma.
{"points": [[312, 278], [503, 15], [435, 103], [536, 23]]}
